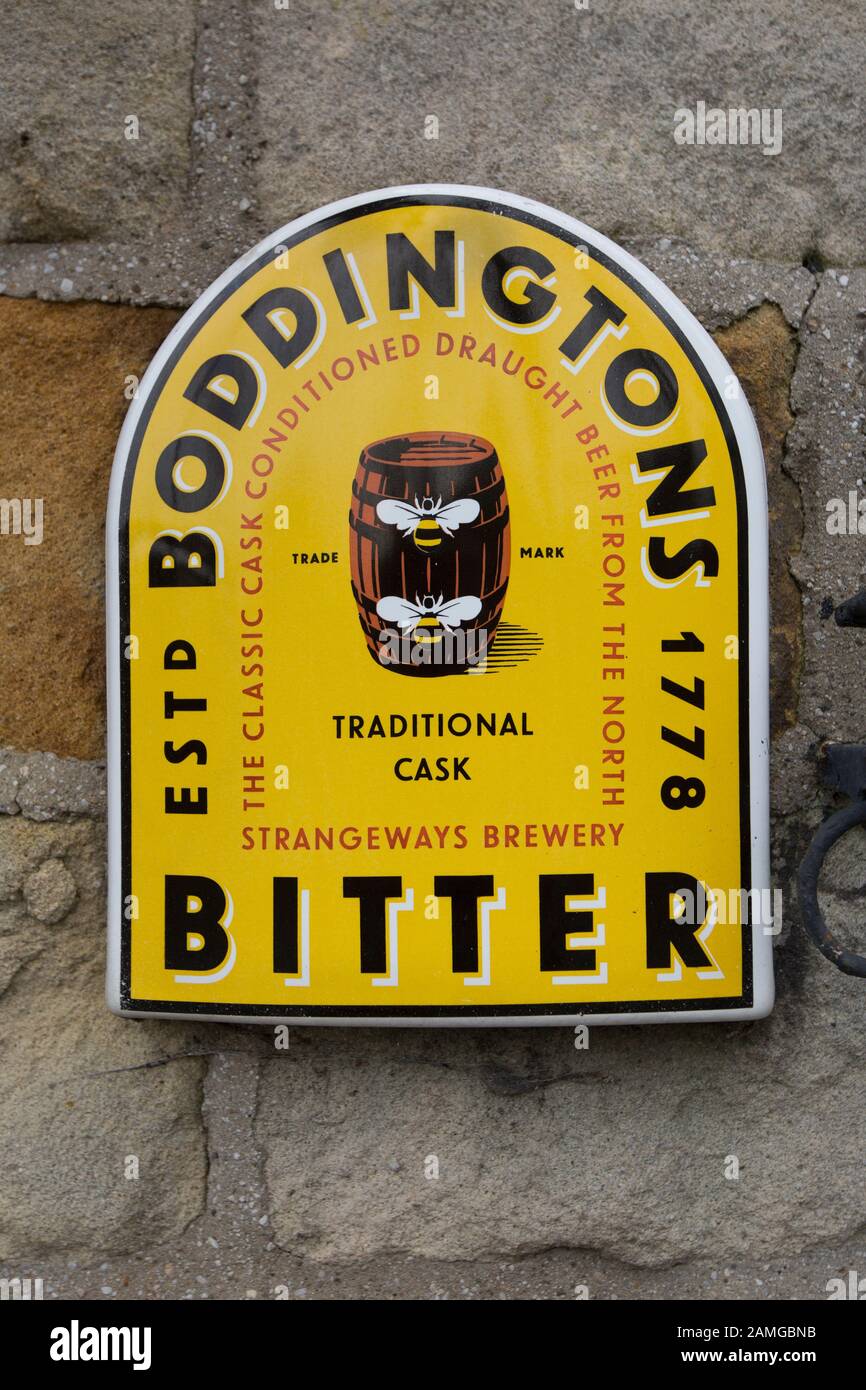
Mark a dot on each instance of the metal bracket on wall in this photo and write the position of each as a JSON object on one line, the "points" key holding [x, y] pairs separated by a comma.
{"points": [[842, 766]]}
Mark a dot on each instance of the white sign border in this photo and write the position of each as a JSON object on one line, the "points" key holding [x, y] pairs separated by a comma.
{"points": [[751, 454]]}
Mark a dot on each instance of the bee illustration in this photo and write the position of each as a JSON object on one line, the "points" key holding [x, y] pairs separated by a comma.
{"points": [[427, 618], [428, 520]]}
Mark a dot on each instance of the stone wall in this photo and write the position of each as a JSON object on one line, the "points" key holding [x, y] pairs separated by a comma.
{"points": [[263, 1173]]}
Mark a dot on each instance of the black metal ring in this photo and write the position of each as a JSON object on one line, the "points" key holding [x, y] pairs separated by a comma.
{"points": [[831, 830]]}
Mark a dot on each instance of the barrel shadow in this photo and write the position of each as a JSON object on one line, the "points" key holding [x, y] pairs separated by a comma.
{"points": [[511, 646]]}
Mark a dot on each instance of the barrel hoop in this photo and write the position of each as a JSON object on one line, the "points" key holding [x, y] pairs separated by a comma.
{"points": [[489, 527], [455, 450], [491, 600], [371, 499]]}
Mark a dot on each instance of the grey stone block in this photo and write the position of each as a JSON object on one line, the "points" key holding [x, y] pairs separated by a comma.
{"points": [[827, 458], [72, 76], [575, 107], [622, 1149], [81, 1092]]}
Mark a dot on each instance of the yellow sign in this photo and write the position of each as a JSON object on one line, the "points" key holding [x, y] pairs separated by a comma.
{"points": [[438, 637]]}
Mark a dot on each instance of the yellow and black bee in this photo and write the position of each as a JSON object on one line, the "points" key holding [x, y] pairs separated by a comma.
{"points": [[427, 521], [427, 618]]}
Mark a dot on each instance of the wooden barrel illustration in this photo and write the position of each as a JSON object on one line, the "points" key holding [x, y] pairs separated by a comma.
{"points": [[430, 551]]}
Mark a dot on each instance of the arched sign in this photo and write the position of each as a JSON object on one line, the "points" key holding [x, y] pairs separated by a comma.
{"points": [[437, 637]]}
